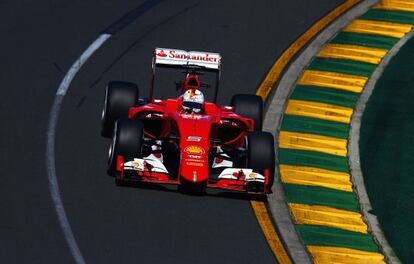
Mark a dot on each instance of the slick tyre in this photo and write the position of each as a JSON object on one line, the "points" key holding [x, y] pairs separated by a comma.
{"points": [[251, 106], [261, 154], [119, 97], [126, 141]]}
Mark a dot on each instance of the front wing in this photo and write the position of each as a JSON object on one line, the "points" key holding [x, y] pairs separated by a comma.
{"points": [[152, 170]]}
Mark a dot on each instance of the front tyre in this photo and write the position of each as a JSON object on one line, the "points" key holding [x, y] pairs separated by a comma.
{"points": [[119, 97], [250, 106], [261, 154], [126, 141]]}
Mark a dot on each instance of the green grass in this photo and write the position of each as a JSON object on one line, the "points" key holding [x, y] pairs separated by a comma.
{"points": [[387, 152]]}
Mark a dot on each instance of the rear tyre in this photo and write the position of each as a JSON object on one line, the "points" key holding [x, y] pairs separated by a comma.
{"points": [[251, 106], [119, 97], [126, 141], [261, 154]]}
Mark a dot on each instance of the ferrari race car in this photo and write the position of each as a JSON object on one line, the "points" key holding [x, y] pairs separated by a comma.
{"points": [[165, 142]]}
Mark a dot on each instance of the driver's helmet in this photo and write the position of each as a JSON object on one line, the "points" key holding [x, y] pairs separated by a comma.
{"points": [[193, 100]]}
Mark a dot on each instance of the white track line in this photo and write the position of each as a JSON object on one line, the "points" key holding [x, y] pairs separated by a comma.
{"points": [[50, 146]]}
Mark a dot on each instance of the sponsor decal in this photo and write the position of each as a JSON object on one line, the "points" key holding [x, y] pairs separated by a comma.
{"points": [[193, 149], [174, 54], [162, 54], [204, 57], [135, 164], [197, 164], [238, 174], [194, 138], [194, 156], [192, 116], [252, 175], [194, 160]]}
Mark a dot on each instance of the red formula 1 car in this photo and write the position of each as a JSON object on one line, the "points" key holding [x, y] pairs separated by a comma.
{"points": [[169, 142]]}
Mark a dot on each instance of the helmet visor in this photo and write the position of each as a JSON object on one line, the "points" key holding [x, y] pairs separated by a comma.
{"points": [[192, 105]]}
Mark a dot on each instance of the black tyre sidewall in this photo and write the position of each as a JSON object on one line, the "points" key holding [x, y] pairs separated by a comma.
{"points": [[126, 141], [251, 106], [261, 153], [119, 97]]}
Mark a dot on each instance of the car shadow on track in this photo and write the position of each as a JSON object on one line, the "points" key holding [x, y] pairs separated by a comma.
{"points": [[208, 192]]}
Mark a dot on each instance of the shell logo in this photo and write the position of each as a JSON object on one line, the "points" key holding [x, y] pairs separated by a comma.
{"points": [[194, 150]]}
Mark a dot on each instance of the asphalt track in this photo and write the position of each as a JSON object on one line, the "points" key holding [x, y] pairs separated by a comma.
{"points": [[122, 225]]}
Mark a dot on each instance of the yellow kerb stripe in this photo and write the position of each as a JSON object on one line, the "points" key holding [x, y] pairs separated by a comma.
{"points": [[333, 80], [303, 141], [323, 254], [270, 233], [315, 177], [319, 110], [399, 5], [328, 216], [388, 29], [352, 52], [264, 90], [278, 67]]}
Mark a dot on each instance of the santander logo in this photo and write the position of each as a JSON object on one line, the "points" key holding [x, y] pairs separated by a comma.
{"points": [[203, 57], [161, 53], [182, 55]]}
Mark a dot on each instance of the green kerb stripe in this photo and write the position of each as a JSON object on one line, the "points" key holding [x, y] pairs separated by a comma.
{"points": [[389, 16], [302, 124], [342, 66], [312, 159], [326, 236], [325, 95], [314, 195], [367, 40]]}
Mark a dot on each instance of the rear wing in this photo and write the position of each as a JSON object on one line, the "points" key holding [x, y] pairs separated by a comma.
{"points": [[201, 61], [173, 57]]}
